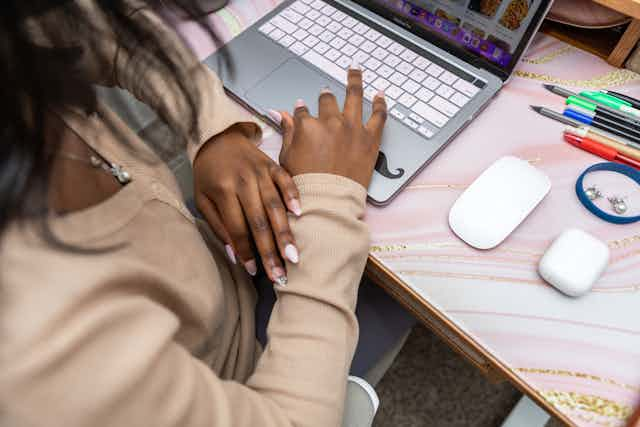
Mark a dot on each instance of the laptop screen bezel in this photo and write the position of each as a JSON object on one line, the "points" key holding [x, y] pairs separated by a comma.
{"points": [[456, 50]]}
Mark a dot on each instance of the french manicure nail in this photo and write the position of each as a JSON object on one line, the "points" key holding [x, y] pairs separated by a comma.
{"points": [[280, 277], [300, 103], [325, 90], [294, 205], [275, 116], [230, 253], [291, 252], [355, 65], [251, 267], [380, 94]]}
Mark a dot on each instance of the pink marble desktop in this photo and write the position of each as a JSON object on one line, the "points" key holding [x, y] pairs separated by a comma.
{"points": [[581, 355]]}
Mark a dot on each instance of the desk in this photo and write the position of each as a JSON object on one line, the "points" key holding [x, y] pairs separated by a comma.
{"points": [[579, 359]]}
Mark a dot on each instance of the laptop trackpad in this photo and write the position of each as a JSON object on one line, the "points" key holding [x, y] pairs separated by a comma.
{"points": [[293, 80]]}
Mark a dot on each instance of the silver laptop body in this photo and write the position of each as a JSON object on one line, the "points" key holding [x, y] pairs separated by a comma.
{"points": [[436, 69]]}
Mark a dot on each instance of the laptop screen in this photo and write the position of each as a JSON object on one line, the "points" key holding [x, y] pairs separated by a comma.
{"points": [[494, 31]]}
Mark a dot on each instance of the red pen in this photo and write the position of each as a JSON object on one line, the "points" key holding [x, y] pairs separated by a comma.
{"points": [[600, 150]]}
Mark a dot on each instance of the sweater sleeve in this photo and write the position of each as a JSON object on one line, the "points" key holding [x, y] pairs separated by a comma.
{"points": [[112, 359]]}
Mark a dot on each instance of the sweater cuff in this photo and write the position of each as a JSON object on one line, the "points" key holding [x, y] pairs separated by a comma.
{"points": [[333, 191]]}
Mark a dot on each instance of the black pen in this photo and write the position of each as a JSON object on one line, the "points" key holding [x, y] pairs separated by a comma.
{"points": [[589, 118], [608, 112], [634, 102]]}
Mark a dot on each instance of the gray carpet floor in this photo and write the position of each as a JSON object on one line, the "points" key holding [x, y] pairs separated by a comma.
{"points": [[430, 385]]}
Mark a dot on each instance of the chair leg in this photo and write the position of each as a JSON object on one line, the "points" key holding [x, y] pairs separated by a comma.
{"points": [[628, 41]]}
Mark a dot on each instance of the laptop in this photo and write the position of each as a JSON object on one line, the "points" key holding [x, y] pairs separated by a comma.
{"points": [[439, 63]]}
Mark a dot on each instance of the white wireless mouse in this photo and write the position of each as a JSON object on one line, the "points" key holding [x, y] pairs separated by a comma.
{"points": [[497, 202]]}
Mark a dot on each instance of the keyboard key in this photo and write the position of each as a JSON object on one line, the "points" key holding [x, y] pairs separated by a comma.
{"points": [[398, 78], [334, 27], [291, 15], [311, 41], [321, 48], [445, 91], [368, 47], [329, 10], [327, 66], [369, 76], [298, 48], [323, 21], [411, 87], [380, 53], [316, 30], [361, 28], [372, 64], [326, 36], [349, 50], [305, 24], [350, 22], [372, 35], [408, 56], [300, 7], [284, 25], [392, 60], [394, 92], [396, 48], [435, 70], [313, 14], [381, 84], [466, 88], [339, 16], [337, 43], [418, 75], [425, 131], [318, 4], [287, 40], [448, 78], [410, 123], [384, 42], [424, 95], [357, 39], [416, 118], [431, 83], [459, 99], [430, 114], [344, 62], [421, 63], [277, 34], [384, 71], [361, 57], [397, 114], [370, 92], [444, 106], [332, 55], [267, 28], [407, 100], [345, 33], [405, 68], [300, 34]]}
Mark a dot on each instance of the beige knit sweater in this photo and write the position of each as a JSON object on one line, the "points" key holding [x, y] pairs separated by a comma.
{"points": [[160, 331]]}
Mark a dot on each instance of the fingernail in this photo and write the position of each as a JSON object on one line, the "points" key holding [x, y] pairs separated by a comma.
{"points": [[280, 277], [355, 65], [300, 103], [291, 252], [251, 267], [380, 94], [275, 116], [294, 205], [230, 253], [325, 90]]}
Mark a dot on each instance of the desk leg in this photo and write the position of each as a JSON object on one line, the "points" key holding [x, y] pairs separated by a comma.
{"points": [[526, 414], [628, 41]]}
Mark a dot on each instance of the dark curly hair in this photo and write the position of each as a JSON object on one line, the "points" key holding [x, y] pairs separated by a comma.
{"points": [[38, 77]]}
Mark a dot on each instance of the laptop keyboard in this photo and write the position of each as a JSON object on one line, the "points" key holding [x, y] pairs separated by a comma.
{"points": [[420, 93]]}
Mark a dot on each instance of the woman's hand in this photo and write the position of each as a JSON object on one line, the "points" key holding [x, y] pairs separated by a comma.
{"points": [[243, 193], [336, 142]]}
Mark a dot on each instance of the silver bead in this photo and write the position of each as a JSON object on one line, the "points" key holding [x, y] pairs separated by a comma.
{"points": [[593, 193], [95, 161], [619, 205]]}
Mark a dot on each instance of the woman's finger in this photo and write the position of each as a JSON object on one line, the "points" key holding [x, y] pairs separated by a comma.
{"points": [[288, 130], [234, 222], [353, 101], [279, 220], [287, 188], [260, 226], [214, 220], [301, 111], [327, 105], [375, 126]]}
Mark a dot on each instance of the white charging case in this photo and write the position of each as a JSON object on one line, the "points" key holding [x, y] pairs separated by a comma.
{"points": [[497, 202], [574, 262]]}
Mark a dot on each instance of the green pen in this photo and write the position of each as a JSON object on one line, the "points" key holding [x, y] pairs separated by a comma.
{"points": [[611, 102]]}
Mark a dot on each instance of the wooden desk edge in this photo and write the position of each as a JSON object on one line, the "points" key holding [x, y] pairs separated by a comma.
{"points": [[627, 7], [417, 305]]}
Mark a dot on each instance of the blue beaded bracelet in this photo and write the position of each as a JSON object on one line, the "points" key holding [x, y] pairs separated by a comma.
{"points": [[611, 167]]}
